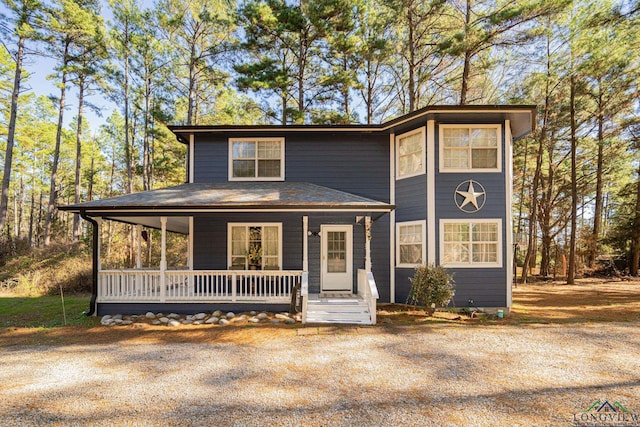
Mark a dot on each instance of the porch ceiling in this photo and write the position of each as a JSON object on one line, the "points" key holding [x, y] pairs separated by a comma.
{"points": [[175, 224], [225, 197]]}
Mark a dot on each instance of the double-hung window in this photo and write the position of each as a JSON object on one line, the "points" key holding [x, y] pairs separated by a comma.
{"points": [[410, 153], [470, 147], [256, 159], [474, 243], [411, 243], [255, 246]]}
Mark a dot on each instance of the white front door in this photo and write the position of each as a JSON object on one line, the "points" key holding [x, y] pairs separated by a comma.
{"points": [[336, 258]]}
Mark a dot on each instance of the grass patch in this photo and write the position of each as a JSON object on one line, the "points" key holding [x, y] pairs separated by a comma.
{"points": [[42, 271], [44, 312]]}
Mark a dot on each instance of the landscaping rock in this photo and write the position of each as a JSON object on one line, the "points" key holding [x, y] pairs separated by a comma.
{"points": [[281, 316], [231, 315], [199, 316], [164, 319], [174, 323], [105, 318], [187, 322], [150, 315], [212, 320], [289, 321], [216, 313], [173, 316], [274, 321], [253, 313], [117, 317], [197, 322], [254, 320], [126, 322], [262, 316], [223, 322], [156, 322]]}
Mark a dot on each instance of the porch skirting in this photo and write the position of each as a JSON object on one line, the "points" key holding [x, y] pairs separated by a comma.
{"points": [[185, 308]]}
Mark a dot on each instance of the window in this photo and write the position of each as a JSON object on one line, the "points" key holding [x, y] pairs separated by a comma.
{"points": [[258, 159], [410, 154], [411, 239], [474, 147], [255, 246], [471, 243]]}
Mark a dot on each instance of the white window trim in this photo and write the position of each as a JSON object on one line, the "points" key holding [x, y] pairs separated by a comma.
{"points": [[422, 223], [443, 169], [472, 264], [256, 178], [423, 169], [253, 224]]}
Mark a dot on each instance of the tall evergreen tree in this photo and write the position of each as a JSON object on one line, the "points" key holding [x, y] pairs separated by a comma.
{"points": [[19, 25]]}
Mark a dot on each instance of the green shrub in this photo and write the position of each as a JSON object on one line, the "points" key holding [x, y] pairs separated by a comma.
{"points": [[431, 285]]}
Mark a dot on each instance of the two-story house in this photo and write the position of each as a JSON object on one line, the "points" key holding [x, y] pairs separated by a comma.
{"points": [[346, 212]]}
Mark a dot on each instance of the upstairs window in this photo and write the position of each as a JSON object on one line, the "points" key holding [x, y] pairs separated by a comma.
{"points": [[256, 159], [410, 153], [473, 147]]}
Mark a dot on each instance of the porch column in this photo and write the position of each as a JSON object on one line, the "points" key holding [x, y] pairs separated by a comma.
{"points": [[139, 239], [305, 243], [367, 243], [99, 238], [163, 258], [190, 245]]}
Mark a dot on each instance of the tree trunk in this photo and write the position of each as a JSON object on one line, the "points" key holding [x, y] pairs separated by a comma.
{"points": [[145, 145], [56, 151], [76, 217], [464, 87], [192, 86], [597, 215], [635, 244], [411, 84], [571, 273], [11, 131]]}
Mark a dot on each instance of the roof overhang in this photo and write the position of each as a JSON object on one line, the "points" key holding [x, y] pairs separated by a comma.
{"points": [[179, 202], [522, 118]]}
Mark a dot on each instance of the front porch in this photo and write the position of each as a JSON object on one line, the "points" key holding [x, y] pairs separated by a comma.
{"points": [[227, 287], [248, 246]]}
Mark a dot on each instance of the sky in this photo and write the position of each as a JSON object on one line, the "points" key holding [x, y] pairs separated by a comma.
{"points": [[39, 67]]}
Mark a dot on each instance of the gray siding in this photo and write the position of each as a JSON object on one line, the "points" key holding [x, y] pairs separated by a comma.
{"points": [[210, 158], [411, 198], [486, 286], [357, 164], [354, 163], [210, 238]]}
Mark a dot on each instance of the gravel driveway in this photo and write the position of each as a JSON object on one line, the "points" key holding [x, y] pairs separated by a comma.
{"points": [[415, 375]]}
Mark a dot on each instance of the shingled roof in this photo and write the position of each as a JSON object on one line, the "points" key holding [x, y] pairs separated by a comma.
{"points": [[269, 196]]}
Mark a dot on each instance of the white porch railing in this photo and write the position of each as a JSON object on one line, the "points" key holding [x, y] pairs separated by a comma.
{"points": [[368, 291], [197, 286]]}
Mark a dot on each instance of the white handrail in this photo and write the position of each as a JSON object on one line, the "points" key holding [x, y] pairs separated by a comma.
{"points": [[266, 286], [304, 295], [368, 290]]}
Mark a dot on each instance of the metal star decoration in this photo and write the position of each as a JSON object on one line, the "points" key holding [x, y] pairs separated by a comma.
{"points": [[471, 196]]}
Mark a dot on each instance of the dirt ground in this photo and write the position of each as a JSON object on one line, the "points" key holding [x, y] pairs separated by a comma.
{"points": [[589, 301], [562, 350]]}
